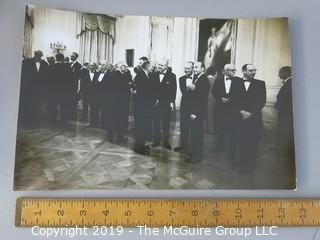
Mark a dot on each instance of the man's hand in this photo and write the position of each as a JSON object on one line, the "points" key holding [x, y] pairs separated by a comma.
{"points": [[191, 87], [156, 103], [171, 106], [225, 100], [193, 117], [245, 114]]}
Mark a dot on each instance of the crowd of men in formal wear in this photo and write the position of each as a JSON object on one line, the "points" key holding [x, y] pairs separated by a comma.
{"points": [[107, 90]]}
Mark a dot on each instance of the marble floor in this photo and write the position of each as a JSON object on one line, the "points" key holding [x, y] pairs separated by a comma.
{"points": [[79, 157]]}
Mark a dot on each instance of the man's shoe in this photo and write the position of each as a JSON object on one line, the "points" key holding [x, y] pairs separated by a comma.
{"points": [[167, 146], [178, 149], [142, 151], [192, 160], [155, 145]]}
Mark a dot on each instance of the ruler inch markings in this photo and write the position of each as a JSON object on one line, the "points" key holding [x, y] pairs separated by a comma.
{"points": [[154, 212]]}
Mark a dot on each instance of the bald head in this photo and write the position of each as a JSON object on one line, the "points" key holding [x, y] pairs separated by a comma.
{"points": [[162, 65], [92, 66], [106, 65], [188, 68], [229, 70], [121, 66]]}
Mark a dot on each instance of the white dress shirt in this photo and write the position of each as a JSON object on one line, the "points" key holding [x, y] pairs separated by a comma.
{"points": [[91, 75], [73, 64], [38, 66], [100, 77], [246, 84], [161, 77], [227, 84]]}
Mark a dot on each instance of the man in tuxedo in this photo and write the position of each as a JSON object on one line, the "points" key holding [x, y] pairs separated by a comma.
{"points": [[51, 94], [106, 95], [143, 102], [33, 90], [285, 137], [165, 87], [185, 107], [96, 94], [59, 90], [119, 93], [86, 78], [199, 90], [75, 67], [138, 68], [249, 98], [224, 111]]}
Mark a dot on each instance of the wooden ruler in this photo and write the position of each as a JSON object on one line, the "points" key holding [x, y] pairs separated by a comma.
{"points": [[158, 212]]}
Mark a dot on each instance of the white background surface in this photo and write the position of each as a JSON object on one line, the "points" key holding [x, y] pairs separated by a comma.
{"points": [[305, 38]]}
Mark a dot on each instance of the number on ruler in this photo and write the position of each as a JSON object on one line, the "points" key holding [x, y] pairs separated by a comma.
{"points": [[238, 212], [127, 213], [281, 212], [60, 212], [106, 213], [83, 213]]}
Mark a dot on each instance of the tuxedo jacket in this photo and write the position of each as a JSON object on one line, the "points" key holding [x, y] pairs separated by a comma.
{"points": [[92, 87], [31, 78], [165, 90], [185, 93], [75, 73], [219, 91], [252, 100], [224, 112], [118, 84], [85, 81], [199, 97], [98, 86], [75, 69], [284, 104], [144, 96], [61, 77]]}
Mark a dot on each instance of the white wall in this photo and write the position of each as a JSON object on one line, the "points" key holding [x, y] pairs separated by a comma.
{"points": [[132, 32], [53, 25]]}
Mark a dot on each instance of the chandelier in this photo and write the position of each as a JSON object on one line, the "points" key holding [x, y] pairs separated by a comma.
{"points": [[58, 47]]}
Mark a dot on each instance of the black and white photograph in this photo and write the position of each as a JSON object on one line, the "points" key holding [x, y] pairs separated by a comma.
{"points": [[113, 101]]}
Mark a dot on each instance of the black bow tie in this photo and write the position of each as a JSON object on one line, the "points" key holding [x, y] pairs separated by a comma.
{"points": [[161, 73], [228, 79], [246, 80]]}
